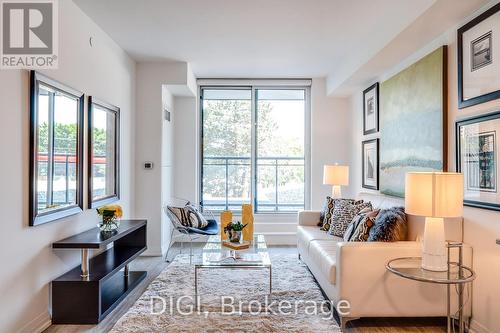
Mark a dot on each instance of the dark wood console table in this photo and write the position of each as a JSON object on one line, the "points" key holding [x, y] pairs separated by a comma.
{"points": [[88, 293]]}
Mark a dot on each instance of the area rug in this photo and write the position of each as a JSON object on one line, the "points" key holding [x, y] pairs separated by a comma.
{"points": [[231, 301]]}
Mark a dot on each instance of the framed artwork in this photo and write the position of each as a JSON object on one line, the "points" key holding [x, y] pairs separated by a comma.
{"points": [[477, 158], [370, 109], [370, 164], [103, 153], [478, 62], [56, 150], [413, 133]]}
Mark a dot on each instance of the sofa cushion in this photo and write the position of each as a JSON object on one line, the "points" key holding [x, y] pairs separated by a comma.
{"points": [[324, 254], [306, 234], [390, 226]]}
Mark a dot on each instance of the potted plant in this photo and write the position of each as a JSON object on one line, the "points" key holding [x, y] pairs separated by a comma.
{"points": [[233, 231], [111, 215]]}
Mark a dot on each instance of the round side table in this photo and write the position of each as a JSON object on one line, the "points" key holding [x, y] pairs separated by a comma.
{"points": [[410, 268]]}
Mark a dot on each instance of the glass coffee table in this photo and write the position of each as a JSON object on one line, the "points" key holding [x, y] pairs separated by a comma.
{"points": [[217, 256]]}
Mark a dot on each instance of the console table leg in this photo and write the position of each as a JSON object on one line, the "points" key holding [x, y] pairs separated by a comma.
{"points": [[125, 272], [85, 263]]}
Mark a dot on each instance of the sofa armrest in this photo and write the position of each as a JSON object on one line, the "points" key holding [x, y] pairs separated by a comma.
{"points": [[361, 272], [363, 280], [308, 217]]}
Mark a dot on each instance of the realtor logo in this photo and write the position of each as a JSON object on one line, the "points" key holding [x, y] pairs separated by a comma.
{"points": [[29, 34]]}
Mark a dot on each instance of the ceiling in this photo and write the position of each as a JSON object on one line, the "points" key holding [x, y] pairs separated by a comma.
{"points": [[256, 39]]}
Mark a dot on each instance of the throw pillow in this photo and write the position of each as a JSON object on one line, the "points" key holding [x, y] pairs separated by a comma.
{"points": [[201, 221], [362, 231], [390, 226], [355, 228], [188, 216], [325, 211], [342, 215], [182, 214], [330, 205]]}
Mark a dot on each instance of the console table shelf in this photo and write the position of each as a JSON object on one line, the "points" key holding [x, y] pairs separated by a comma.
{"points": [[87, 294]]}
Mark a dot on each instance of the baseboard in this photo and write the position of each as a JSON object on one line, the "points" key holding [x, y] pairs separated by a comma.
{"points": [[151, 254], [38, 324], [476, 327], [280, 238]]}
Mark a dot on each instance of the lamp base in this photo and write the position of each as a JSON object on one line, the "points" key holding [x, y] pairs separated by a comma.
{"points": [[336, 192], [434, 250]]}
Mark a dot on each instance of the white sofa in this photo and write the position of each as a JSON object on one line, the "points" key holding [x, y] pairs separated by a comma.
{"points": [[355, 271]]}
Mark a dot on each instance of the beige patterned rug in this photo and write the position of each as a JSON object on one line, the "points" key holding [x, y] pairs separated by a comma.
{"points": [[231, 301]]}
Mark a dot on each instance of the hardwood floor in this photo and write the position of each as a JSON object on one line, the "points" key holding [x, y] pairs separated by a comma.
{"points": [[154, 265]]}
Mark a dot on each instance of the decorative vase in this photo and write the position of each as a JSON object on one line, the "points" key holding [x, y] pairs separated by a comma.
{"points": [[235, 236], [226, 217], [109, 223], [247, 219]]}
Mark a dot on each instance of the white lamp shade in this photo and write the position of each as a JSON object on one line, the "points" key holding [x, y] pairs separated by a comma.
{"points": [[434, 194], [336, 175]]}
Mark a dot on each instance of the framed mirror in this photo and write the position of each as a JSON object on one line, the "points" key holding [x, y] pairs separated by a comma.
{"points": [[56, 150], [104, 147]]}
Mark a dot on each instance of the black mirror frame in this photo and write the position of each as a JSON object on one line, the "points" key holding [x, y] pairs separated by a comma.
{"points": [[57, 214], [116, 196]]}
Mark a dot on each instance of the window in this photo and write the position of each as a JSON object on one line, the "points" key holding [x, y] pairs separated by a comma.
{"points": [[263, 164], [103, 150], [56, 150]]}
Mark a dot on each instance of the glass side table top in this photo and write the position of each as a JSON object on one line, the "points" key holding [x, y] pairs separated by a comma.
{"points": [[216, 255], [410, 268]]}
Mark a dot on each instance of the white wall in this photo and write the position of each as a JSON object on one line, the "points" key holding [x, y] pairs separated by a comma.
{"points": [[156, 82], [148, 145], [186, 142], [28, 262], [330, 139], [481, 227]]}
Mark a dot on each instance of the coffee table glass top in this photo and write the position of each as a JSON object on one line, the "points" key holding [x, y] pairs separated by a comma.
{"points": [[217, 255], [410, 268]]}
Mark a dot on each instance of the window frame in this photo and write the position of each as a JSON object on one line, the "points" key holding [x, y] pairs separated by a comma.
{"points": [[36, 218], [254, 126], [90, 153]]}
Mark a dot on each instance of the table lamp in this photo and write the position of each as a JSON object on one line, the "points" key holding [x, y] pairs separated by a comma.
{"points": [[337, 176], [435, 195]]}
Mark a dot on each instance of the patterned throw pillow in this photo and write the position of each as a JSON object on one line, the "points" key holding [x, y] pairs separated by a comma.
{"points": [[325, 210], [330, 206], [362, 217], [390, 226], [342, 215], [201, 221], [188, 216], [362, 231]]}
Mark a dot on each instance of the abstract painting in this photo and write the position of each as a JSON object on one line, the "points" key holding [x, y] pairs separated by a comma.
{"points": [[412, 114]]}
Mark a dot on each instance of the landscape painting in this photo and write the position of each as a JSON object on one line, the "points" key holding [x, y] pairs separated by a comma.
{"points": [[411, 119]]}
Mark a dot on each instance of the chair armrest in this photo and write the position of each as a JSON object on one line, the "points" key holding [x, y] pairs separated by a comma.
{"points": [[308, 217]]}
